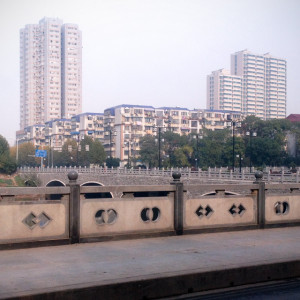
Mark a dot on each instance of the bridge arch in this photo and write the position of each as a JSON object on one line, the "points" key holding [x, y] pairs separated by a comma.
{"points": [[53, 183], [95, 195], [30, 183]]}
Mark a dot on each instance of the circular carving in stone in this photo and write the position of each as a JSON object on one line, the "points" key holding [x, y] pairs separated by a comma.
{"points": [[103, 217], [282, 208], [150, 214]]}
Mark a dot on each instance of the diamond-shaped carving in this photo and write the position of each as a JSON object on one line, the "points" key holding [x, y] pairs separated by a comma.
{"points": [[199, 212], [207, 211], [242, 210], [234, 210], [43, 220], [32, 220]]}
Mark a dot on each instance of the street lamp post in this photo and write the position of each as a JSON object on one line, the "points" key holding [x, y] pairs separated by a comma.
{"points": [[128, 157], [110, 139], [111, 134], [76, 133], [17, 152], [251, 134], [52, 150], [77, 152], [233, 124], [233, 146], [50, 157], [128, 153], [159, 144], [240, 161], [54, 142], [197, 137]]}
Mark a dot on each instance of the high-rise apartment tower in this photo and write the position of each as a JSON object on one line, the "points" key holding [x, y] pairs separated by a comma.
{"points": [[264, 84], [50, 72], [224, 91]]}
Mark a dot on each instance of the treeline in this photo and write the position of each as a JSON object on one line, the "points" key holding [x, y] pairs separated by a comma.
{"points": [[86, 153], [265, 142], [267, 145]]}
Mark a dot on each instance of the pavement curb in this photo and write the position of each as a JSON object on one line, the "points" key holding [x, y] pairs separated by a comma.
{"points": [[170, 284]]}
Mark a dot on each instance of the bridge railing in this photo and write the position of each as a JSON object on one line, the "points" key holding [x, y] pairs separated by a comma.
{"points": [[211, 174], [73, 214]]}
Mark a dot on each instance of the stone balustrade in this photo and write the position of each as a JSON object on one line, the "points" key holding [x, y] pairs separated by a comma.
{"points": [[212, 174], [29, 217]]}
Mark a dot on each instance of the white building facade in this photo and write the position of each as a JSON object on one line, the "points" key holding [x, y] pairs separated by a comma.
{"points": [[125, 124], [50, 72], [264, 84], [224, 91]]}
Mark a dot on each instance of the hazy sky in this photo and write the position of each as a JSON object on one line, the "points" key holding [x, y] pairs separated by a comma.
{"points": [[153, 52]]}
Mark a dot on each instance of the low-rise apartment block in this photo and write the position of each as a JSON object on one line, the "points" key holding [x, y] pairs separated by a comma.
{"points": [[120, 128]]}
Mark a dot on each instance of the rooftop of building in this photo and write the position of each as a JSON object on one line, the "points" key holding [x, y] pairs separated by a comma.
{"points": [[172, 108], [293, 117], [57, 120], [265, 55], [130, 106]]}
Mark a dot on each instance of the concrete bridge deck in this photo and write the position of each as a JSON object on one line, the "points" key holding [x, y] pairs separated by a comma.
{"points": [[150, 268]]}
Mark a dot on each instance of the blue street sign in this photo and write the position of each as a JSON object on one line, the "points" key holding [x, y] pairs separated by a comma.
{"points": [[40, 153]]}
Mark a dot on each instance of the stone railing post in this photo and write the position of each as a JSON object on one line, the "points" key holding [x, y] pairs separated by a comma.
{"points": [[261, 198], [178, 203], [74, 222]]}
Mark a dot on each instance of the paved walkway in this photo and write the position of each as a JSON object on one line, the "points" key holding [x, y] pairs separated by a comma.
{"points": [[152, 267]]}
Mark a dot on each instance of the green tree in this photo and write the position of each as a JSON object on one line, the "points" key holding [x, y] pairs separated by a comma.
{"points": [[91, 152], [182, 155], [84, 153], [269, 146], [170, 142], [112, 162], [215, 145], [4, 146], [149, 151], [97, 153], [67, 156], [7, 162], [26, 155]]}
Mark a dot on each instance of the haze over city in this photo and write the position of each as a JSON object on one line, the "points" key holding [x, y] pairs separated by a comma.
{"points": [[152, 52]]}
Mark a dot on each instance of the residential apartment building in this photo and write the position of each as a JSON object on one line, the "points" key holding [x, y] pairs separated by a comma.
{"points": [[50, 72], [120, 128], [224, 91], [35, 134], [125, 124], [275, 87], [88, 124], [57, 132], [264, 84]]}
